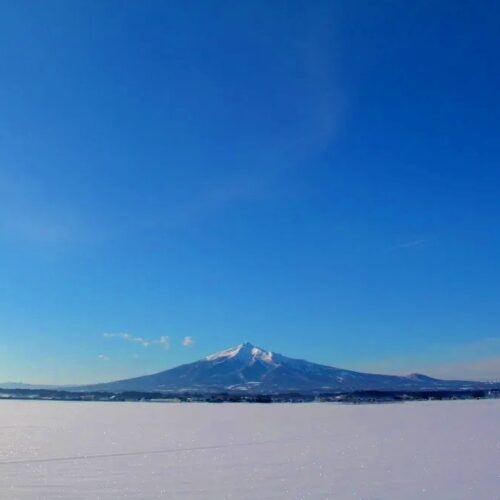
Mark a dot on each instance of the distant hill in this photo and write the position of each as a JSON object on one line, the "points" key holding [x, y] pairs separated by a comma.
{"points": [[20, 385], [251, 369]]}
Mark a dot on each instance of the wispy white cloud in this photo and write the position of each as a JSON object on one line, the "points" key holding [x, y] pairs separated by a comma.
{"points": [[187, 341], [163, 341], [103, 357], [128, 338]]}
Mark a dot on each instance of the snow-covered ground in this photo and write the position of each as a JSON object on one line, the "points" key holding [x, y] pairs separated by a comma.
{"points": [[435, 450]]}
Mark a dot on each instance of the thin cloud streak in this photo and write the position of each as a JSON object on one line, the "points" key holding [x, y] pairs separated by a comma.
{"points": [[163, 341], [414, 243]]}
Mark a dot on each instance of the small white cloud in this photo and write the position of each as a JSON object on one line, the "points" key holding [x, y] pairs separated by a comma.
{"points": [[164, 341], [187, 341], [103, 357]]}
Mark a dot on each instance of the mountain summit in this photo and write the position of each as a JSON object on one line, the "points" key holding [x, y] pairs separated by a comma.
{"points": [[253, 369], [244, 352]]}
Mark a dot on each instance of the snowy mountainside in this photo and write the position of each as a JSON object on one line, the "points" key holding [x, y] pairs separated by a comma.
{"points": [[253, 369]]}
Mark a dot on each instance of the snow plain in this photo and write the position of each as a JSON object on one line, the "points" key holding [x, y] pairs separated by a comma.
{"points": [[431, 450]]}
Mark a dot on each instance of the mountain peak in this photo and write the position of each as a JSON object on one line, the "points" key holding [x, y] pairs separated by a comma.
{"points": [[242, 352], [419, 376]]}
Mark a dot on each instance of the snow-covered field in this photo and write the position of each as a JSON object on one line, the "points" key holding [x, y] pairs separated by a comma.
{"points": [[435, 450]]}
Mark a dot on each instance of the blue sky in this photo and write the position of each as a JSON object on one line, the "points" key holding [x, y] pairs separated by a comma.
{"points": [[319, 178]]}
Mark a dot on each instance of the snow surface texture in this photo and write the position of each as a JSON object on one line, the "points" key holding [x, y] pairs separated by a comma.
{"points": [[434, 450]]}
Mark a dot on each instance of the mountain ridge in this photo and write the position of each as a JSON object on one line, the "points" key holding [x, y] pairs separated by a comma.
{"points": [[248, 368]]}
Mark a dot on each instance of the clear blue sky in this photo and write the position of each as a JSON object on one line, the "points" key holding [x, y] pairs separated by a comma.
{"points": [[319, 178]]}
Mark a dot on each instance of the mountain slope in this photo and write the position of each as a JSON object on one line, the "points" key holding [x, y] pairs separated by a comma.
{"points": [[249, 368]]}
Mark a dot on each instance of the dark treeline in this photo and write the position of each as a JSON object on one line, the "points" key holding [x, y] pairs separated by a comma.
{"points": [[238, 397]]}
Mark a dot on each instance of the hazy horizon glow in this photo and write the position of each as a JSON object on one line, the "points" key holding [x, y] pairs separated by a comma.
{"points": [[320, 179]]}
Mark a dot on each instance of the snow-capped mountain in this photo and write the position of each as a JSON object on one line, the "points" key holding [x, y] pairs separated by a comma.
{"points": [[252, 369]]}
